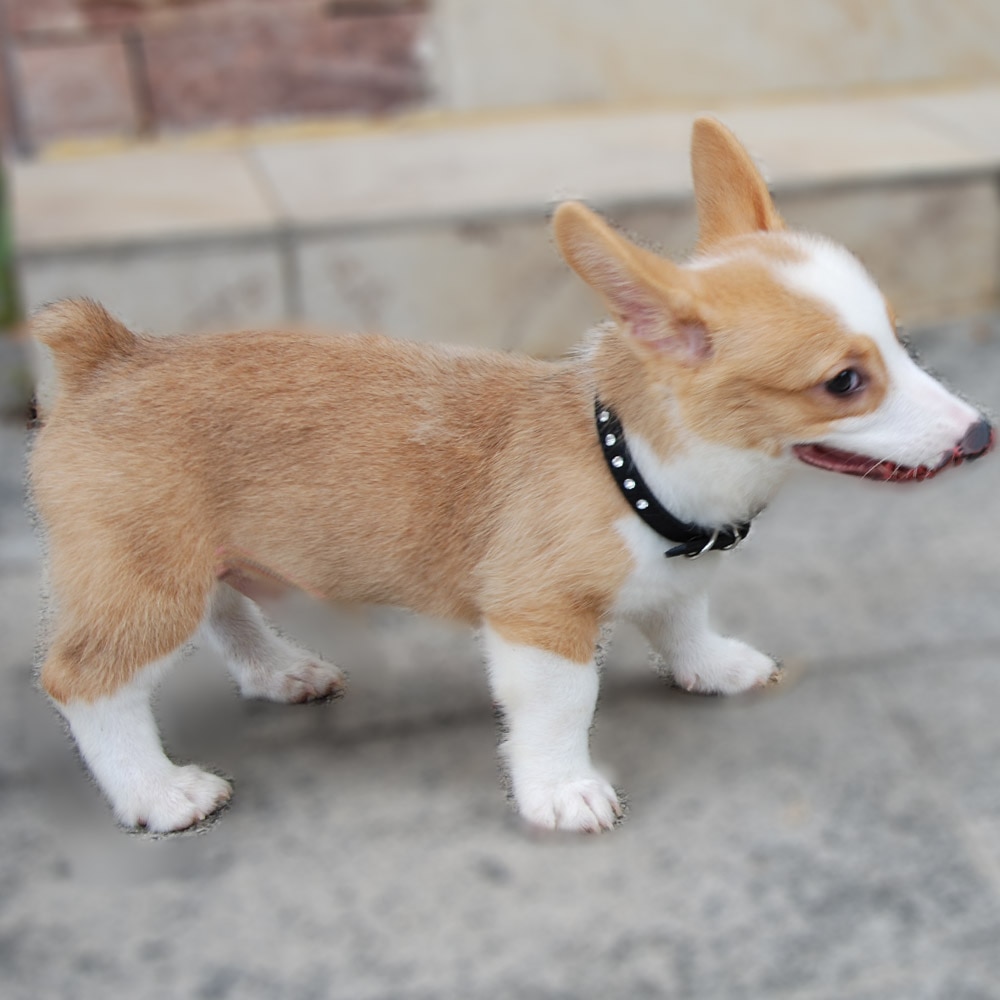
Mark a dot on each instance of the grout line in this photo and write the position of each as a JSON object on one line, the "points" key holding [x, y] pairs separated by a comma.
{"points": [[127, 247], [291, 276], [141, 91], [263, 183], [11, 91], [284, 232]]}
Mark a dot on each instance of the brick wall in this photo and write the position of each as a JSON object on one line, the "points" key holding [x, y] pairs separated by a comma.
{"points": [[77, 68]]}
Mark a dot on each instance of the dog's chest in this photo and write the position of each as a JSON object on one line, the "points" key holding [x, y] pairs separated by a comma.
{"points": [[656, 581]]}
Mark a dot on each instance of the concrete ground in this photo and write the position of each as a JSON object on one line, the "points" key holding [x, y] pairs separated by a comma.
{"points": [[835, 838]]}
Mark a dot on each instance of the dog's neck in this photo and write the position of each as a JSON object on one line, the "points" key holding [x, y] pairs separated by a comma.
{"points": [[707, 482]]}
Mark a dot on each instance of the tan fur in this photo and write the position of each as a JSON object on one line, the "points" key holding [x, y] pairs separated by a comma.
{"points": [[730, 193], [363, 468], [82, 336], [460, 483]]}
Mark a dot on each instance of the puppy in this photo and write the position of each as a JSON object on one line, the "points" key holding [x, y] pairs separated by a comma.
{"points": [[535, 500]]}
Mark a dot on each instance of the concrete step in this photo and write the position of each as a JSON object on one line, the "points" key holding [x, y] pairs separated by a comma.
{"points": [[436, 228]]}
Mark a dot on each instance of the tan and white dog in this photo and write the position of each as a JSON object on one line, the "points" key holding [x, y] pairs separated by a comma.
{"points": [[518, 495]]}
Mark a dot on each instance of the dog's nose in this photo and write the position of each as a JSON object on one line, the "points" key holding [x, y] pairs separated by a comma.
{"points": [[977, 441]]}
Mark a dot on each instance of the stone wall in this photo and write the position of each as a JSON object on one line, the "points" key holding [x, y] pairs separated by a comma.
{"points": [[529, 52], [142, 67]]}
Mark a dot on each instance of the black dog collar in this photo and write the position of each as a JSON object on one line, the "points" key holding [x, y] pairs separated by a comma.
{"points": [[695, 540]]}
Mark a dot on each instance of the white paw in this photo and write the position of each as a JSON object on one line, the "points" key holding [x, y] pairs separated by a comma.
{"points": [[174, 799], [724, 666], [586, 805], [307, 679]]}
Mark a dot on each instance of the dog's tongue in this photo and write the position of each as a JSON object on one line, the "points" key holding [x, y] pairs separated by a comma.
{"points": [[834, 460]]}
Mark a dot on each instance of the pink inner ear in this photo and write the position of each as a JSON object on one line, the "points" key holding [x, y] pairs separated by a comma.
{"points": [[694, 338], [687, 339]]}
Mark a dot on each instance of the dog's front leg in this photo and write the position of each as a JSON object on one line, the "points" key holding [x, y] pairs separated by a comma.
{"points": [[698, 658], [548, 704]]}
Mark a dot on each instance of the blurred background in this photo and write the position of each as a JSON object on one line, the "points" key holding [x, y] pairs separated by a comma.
{"points": [[391, 165]]}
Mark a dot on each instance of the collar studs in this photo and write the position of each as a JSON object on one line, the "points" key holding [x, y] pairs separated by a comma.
{"points": [[695, 539]]}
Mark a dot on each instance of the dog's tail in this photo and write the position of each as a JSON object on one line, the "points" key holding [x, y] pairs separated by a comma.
{"points": [[83, 336]]}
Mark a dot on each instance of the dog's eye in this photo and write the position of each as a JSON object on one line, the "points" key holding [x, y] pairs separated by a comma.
{"points": [[845, 382]]}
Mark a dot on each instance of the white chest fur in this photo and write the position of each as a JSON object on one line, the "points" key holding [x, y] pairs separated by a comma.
{"points": [[707, 484], [657, 582]]}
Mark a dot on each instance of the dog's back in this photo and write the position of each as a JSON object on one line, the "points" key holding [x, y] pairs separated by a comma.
{"points": [[355, 467]]}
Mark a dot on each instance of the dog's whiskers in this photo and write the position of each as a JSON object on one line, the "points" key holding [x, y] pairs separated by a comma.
{"points": [[877, 462]]}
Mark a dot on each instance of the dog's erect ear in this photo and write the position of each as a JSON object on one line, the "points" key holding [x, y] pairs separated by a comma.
{"points": [[648, 296], [730, 193]]}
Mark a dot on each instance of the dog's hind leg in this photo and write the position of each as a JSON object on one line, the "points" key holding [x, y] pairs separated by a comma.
{"points": [[263, 664], [101, 671], [118, 739]]}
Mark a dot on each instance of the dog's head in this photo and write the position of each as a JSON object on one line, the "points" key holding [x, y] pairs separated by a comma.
{"points": [[768, 339]]}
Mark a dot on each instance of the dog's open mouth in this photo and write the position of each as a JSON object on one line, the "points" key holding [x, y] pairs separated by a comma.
{"points": [[978, 440], [834, 460]]}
